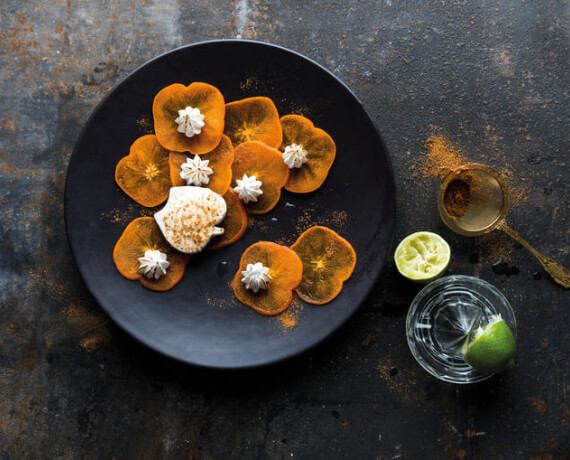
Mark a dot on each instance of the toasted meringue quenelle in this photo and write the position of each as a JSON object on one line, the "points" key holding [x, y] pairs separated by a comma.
{"points": [[188, 221]]}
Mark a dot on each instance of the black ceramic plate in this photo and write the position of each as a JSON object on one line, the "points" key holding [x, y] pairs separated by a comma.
{"points": [[199, 321]]}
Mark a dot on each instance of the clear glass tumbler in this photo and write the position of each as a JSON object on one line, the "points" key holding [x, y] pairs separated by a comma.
{"points": [[443, 318]]}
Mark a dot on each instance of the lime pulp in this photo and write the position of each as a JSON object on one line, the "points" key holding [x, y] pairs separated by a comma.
{"points": [[422, 256]]}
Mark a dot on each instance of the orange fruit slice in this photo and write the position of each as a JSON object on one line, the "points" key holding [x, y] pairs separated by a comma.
{"points": [[328, 261], [285, 271], [253, 119], [219, 160], [144, 173], [266, 164], [170, 100], [320, 153], [143, 234], [234, 224]]}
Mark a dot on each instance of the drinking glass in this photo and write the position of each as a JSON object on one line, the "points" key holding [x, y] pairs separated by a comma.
{"points": [[444, 317]]}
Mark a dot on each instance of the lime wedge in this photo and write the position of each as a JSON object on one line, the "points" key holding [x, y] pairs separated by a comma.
{"points": [[422, 256], [493, 348]]}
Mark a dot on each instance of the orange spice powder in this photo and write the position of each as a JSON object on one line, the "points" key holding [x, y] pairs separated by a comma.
{"points": [[94, 328], [496, 246], [289, 319], [442, 157]]}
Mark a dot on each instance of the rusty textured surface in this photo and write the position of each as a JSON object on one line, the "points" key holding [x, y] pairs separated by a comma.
{"points": [[492, 75]]}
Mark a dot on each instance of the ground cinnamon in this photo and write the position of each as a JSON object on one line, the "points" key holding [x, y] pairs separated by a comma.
{"points": [[289, 319], [458, 194], [442, 157], [456, 198]]}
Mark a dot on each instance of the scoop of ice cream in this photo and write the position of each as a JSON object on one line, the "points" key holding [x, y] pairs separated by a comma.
{"points": [[189, 218]]}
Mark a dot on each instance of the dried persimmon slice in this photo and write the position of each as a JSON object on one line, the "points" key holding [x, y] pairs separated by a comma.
{"points": [[256, 160], [140, 236], [212, 170], [283, 272], [328, 261], [308, 151], [234, 224], [253, 119], [144, 174], [189, 118]]}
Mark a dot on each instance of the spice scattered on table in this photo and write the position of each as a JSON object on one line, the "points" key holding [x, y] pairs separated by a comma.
{"points": [[496, 246], [92, 327], [442, 157]]}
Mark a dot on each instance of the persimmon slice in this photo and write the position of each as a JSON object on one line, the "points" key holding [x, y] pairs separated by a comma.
{"points": [[177, 97], [234, 224], [253, 119], [320, 150], [219, 160], [144, 173], [285, 270], [266, 164], [143, 234], [328, 261]]}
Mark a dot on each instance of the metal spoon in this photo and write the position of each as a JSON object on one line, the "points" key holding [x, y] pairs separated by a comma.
{"points": [[486, 210]]}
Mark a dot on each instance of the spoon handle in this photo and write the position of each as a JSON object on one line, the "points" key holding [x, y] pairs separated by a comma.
{"points": [[559, 274]]}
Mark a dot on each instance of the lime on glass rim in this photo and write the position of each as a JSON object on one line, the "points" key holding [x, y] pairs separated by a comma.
{"points": [[493, 347], [422, 256]]}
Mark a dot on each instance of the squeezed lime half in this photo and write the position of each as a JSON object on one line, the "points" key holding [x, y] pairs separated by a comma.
{"points": [[493, 347], [422, 256]]}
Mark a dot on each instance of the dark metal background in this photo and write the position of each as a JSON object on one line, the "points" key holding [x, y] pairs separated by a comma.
{"points": [[493, 75]]}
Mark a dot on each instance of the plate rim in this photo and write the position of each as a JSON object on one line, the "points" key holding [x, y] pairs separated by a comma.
{"points": [[392, 208]]}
